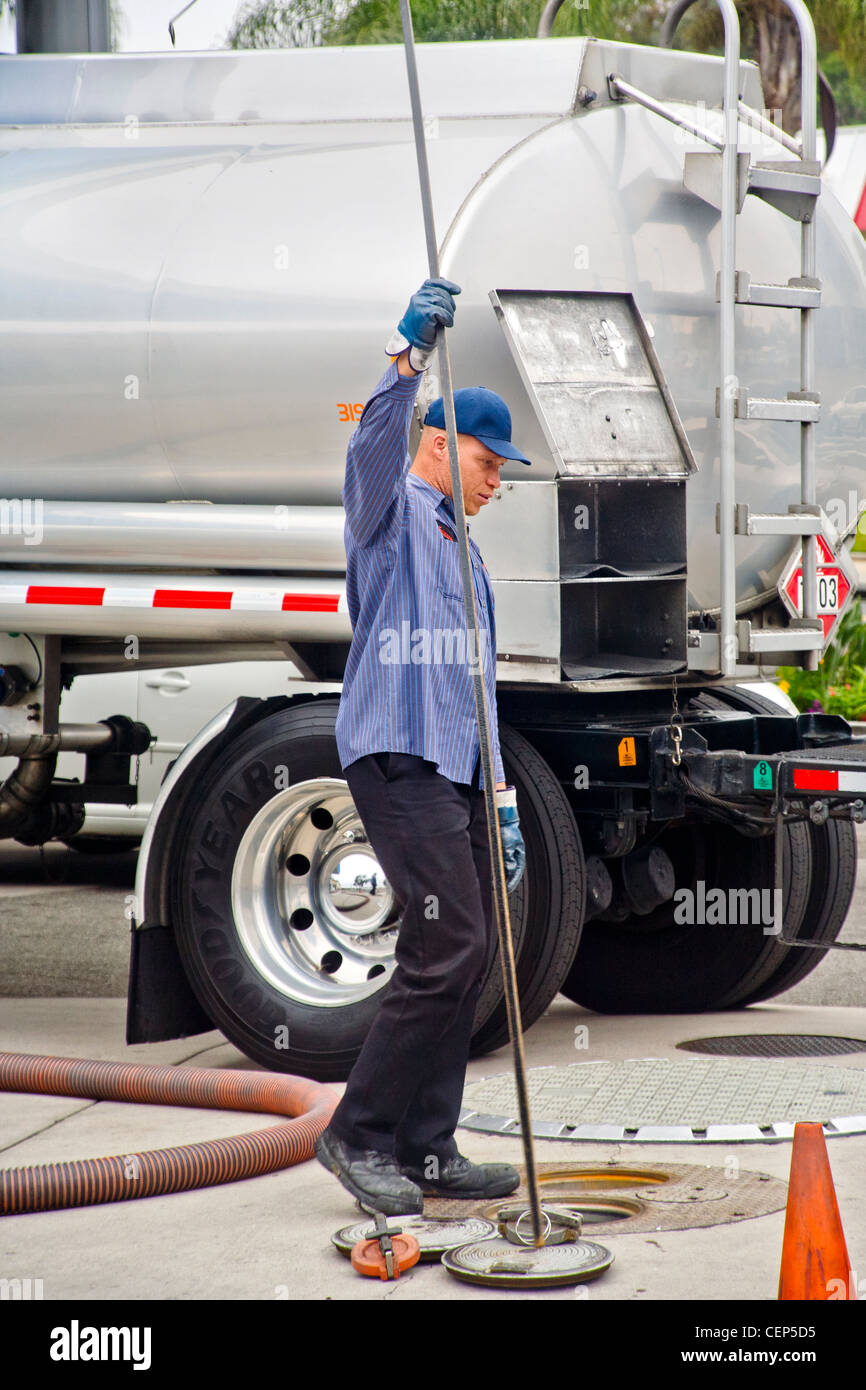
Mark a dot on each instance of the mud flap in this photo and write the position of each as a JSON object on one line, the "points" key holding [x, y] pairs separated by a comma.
{"points": [[160, 1002]]}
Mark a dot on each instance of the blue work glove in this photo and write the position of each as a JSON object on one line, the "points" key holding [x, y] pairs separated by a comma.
{"points": [[431, 307], [513, 848]]}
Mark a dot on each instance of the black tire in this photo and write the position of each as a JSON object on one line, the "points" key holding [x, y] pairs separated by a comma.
{"points": [[735, 697], [833, 877], [654, 964], [247, 1007], [547, 916], [322, 1042], [834, 872]]}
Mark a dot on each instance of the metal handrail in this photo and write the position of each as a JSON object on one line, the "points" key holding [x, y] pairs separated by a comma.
{"points": [[659, 109], [808, 267], [666, 38], [805, 148], [760, 122], [548, 15]]}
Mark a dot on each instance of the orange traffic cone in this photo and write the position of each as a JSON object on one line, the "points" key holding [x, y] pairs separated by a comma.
{"points": [[815, 1262]]}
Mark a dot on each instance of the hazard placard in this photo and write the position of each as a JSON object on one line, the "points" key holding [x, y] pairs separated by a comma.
{"points": [[626, 752], [762, 777], [836, 581]]}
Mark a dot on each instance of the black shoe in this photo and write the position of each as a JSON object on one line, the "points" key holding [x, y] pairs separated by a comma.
{"points": [[375, 1179], [458, 1177]]}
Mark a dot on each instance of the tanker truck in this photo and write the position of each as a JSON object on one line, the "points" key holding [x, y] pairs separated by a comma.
{"points": [[203, 258]]}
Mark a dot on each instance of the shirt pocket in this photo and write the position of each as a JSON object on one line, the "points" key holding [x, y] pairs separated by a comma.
{"points": [[447, 572]]}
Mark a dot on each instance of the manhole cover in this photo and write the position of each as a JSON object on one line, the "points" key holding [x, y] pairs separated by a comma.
{"points": [[498, 1262], [774, 1045], [651, 1100], [434, 1235], [623, 1199]]}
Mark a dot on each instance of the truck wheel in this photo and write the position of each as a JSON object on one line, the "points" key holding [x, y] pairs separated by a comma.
{"points": [[547, 918], [657, 964], [834, 871], [285, 938]]}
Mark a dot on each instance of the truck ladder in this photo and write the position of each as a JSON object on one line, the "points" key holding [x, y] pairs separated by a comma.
{"points": [[723, 177]]}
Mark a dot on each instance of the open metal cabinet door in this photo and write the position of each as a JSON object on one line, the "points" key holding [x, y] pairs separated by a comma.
{"points": [[622, 457]]}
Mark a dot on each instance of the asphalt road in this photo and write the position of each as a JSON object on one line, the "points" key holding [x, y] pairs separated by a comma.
{"points": [[63, 932]]}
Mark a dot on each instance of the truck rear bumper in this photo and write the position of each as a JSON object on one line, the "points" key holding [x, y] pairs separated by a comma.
{"points": [[831, 775]]}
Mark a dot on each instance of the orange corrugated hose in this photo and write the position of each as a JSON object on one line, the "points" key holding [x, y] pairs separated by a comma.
{"points": [[122, 1177]]}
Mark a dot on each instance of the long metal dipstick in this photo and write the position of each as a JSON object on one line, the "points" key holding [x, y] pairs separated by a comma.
{"points": [[500, 892]]}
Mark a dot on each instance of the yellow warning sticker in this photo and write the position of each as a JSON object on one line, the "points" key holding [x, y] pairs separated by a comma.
{"points": [[626, 752]]}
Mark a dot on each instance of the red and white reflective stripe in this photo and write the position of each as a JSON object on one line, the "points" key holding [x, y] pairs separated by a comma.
{"points": [[52, 593], [115, 596], [813, 779]]}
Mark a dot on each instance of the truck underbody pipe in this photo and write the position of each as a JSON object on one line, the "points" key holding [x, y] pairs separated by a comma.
{"points": [[69, 738], [155, 1171], [25, 812]]}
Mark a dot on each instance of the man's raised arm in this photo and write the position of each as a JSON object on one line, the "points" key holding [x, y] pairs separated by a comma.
{"points": [[377, 459]]}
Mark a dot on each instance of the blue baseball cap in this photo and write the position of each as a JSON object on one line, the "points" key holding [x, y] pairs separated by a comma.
{"points": [[483, 414]]}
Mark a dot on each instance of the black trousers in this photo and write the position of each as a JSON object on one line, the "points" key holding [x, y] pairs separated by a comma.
{"points": [[429, 834]]}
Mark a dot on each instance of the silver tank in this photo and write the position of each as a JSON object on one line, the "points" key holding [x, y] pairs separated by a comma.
{"points": [[204, 255]]}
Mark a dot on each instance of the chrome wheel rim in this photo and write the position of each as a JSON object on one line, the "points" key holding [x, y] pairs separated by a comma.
{"points": [[312, 907]]}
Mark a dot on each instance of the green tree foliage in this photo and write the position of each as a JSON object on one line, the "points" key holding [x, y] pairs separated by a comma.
{"points": [[848, 86], [302, 24], [313, 22], [839, 684], [378, 21]]}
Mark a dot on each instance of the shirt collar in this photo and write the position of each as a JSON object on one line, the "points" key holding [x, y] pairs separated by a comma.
{"points": [[441, 503]]}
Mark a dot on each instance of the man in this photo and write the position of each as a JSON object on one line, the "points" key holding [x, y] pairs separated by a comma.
{"points": [[408, 742]]}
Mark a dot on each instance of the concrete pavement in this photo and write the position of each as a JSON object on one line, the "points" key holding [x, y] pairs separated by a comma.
{"points": [[269, 1238], [63, 962]]}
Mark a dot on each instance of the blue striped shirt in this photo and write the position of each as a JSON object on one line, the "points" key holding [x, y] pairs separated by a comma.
{"points": [[408, 681]]}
